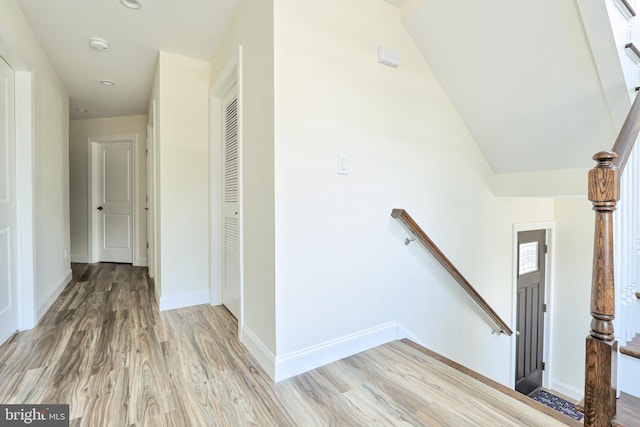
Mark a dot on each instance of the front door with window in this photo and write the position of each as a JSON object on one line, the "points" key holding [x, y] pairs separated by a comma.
{"points": [[530, 309]]}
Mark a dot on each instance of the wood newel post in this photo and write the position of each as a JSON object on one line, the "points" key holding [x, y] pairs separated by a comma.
{"points": [[600, 366]]}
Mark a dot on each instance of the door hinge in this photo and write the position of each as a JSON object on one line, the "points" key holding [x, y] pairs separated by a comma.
{"points": [[544, 308], [147, 245], [546, 249], [544, 366]]}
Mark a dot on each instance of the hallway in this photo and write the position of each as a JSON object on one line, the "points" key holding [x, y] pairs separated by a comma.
{"points": [[104, 348]]}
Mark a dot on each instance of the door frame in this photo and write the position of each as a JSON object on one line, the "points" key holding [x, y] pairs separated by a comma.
{"points": [[550, 227], [231, 74], [25, 185], [92, 145], [152, 259]]}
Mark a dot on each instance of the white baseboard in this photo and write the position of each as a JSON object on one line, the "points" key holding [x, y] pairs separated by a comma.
{"points": [[629, 381], [309, 358], [48, 300], [566, 389], [141, 262], [84, 259], [402, 333], [259, 351], [171, 302]]}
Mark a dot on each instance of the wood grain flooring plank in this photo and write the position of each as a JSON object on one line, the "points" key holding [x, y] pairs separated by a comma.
{"points": [[376, 408], [149, 385], [41, 352], [16, 387], [113, 348], [107, 399], [118, 297], [264, 396], [91, 272], [105, 277], [140, 315], [189, 383], [83, 293], [72, 372], [324, 400], [91, 313], [215, 356]]}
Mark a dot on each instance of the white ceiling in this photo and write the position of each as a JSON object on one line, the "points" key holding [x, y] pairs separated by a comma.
{"points": [[521, 75], [191, 28]]}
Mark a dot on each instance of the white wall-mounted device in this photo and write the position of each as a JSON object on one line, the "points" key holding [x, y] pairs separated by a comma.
{"points": [[389, 57]]}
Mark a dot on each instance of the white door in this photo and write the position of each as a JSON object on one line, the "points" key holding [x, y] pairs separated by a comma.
{"points": [[114, 201], [8, 206], [230, 204]]}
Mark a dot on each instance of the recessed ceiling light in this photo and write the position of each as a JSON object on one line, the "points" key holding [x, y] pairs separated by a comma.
{"points": [[107, 83], [131, 4], [82, 110], [99, 44]]}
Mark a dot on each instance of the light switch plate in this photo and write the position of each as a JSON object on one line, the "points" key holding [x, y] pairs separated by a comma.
{"points": [[343, 164]]}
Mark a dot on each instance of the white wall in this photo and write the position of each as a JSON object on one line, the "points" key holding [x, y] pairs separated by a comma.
{"points": [[183, 185], [51, 131], [79, 133], [253, 29], [574, 254], [341, 265]]}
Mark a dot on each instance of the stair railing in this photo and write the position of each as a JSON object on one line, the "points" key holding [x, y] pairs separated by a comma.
{"points": [[601, 345], [498, 324]]}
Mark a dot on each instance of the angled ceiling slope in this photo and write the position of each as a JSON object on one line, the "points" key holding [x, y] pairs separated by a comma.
{"points": [[521, 75]]}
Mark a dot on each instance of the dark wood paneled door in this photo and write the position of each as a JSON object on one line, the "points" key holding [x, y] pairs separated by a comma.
{"points": [[531, 308]]}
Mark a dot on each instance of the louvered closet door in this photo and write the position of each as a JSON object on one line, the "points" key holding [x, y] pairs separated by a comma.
{"points": [[231, 204]]}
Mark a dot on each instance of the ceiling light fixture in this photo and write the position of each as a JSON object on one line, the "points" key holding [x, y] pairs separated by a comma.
{"points": [[131, 4], [82, 110], [99, 44], [107, 83]]}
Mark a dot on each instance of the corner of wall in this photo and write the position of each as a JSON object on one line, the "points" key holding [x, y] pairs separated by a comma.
{"points": [[55, 292], [309, 358], [172, 302]]}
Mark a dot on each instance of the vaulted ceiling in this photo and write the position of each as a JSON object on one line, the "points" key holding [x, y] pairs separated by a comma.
{"points": [[522, 76]]}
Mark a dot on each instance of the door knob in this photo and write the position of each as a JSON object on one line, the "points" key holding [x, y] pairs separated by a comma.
{"points": [[99, 208]]}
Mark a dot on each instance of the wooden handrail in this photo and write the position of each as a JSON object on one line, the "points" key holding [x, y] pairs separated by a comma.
{"points": [[627, 136], [405, 218], [601, 345]]}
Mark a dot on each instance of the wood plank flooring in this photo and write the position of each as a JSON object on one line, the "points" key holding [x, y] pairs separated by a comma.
{"points": [[104, 348]]}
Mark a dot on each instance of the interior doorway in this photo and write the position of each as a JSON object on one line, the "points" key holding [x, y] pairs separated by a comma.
{"points": [[230, 204], [530, 308], [226, 285], [112, 199]]}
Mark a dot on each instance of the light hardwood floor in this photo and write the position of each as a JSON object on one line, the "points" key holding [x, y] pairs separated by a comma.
{"points": [[104, 348]]}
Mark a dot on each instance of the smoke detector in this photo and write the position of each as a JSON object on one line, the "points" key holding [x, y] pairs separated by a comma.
{"points": [[99, 44], [131, 4]]}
